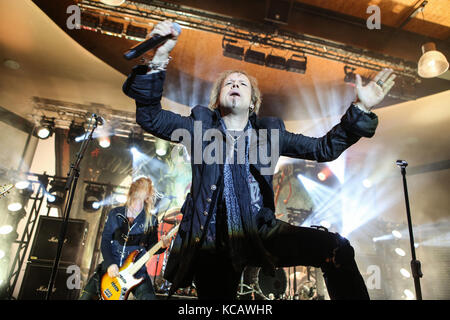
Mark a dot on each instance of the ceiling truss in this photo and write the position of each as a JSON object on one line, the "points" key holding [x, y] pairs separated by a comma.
{"points": [[261, 34]]}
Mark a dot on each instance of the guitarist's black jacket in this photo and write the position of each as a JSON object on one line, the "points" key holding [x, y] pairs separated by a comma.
{"points": [[120, 238]]}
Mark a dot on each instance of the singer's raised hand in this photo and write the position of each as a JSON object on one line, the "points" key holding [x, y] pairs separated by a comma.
{"points": [[374, 92], [164, 28]]}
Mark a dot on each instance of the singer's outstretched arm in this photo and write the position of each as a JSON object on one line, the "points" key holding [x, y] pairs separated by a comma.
{"points": [[357, 122], [354, 124], [146, 89]]}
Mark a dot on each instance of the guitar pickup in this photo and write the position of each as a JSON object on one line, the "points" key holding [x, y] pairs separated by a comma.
{"points": [[114, 286], [108, 293]]}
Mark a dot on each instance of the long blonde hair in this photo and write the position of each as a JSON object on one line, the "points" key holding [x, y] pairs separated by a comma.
{"points": [[142, 189], [218, 84]]}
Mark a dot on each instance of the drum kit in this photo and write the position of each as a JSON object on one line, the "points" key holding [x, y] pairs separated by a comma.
{"points": [[155, 268], [168, 220], [258, 284]]}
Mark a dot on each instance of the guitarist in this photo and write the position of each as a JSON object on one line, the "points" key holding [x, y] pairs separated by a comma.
{"points": [[128, 228]]}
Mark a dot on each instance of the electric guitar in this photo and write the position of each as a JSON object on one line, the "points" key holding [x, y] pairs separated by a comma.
{"points": [[119, 288], [4, 190]]}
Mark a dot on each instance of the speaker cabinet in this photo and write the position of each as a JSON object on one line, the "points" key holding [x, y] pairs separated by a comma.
{"points": [[45, 243], [278, 11], [36, 279]]}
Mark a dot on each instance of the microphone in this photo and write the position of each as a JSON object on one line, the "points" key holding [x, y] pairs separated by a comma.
{"points": [[402, 163], [149, 44], [100, 120]]}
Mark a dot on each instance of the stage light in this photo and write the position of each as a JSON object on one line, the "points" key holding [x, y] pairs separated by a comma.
{"points": [[43, 133], [22, 184], [297, 65], [50, 198], [93, 198], [161, 147], [134, 151], [113, 2], [75, 131], [135, 140], [408, 293], [54, 201], [400, 252], [321, 176], [161, 152], [275, 62], [104, 142], [396, 234], [45, 128], [232, 51], [405, 273], [6, 229], [255, 57], [350, 76], [112, 28], [25, 193], [11, 64], [432, 63], [56, 193], [14, 206], [367, 183], [89, 21], [136, 33], [324, 173]]}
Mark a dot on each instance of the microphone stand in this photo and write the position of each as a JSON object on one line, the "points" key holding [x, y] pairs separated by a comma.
{"points": [[162, 233], [71, 184], [415, 264]]}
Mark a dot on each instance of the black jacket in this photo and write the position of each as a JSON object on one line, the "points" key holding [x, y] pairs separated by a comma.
{"points": [[201, 202]]}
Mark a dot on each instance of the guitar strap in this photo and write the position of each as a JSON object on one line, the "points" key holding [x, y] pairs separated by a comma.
{"points": [[122, 236]]}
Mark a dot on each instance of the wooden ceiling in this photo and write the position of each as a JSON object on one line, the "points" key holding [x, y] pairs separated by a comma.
{"points": [[433, 22]]}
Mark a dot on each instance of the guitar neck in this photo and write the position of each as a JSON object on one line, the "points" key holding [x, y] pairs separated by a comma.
{"points": [[5, 189], [143, 260]]}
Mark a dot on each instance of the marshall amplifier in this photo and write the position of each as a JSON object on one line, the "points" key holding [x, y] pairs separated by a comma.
{"points": [[45, 241], [36, 279]]}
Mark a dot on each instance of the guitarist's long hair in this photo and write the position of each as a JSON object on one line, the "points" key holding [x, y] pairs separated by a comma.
{"points": [[142, 189]]}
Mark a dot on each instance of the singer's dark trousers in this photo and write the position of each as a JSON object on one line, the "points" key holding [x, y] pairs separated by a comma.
{"points": [[215, 277]]}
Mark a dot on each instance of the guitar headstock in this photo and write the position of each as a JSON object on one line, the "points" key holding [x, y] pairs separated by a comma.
{"points": [[4, 190]]}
